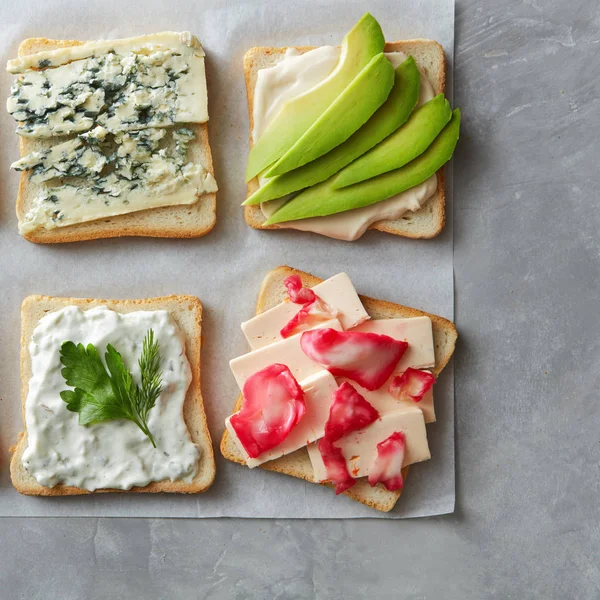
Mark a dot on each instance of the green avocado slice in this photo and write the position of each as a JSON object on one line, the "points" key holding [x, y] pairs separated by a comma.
{"points": [[364, 41], [404, 145], [322, 200], [393, 113], [349, 111]]}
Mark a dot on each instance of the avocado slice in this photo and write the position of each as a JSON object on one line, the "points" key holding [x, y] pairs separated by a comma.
{"points": [[322, 199], [404, 145], [364, 41], [391, 115], [349, 111]]}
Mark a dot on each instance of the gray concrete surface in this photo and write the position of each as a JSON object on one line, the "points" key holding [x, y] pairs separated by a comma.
{"points": [[528, 441]]}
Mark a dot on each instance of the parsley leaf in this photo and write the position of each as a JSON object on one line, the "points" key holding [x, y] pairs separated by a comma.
{"points": [[103, 396]]}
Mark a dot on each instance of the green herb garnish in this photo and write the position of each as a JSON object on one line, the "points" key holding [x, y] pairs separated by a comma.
{"points": [[102, 396]]}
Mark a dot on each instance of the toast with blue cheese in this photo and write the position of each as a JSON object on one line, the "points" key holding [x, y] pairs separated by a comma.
{"points": [[194, 218], [186, 312], [429, 220], [297, 464]]}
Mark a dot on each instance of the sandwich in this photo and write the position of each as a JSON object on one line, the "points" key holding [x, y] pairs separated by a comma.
{"points": [[113, 138], [337, 388], [111, 398], [345, 139]]}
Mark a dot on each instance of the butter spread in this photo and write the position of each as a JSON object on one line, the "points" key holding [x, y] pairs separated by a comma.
{"points": [[318, 396], [296, 74], [113, 454]]}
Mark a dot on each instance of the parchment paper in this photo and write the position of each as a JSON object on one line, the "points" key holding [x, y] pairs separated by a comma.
{"points": [[223, 269]]}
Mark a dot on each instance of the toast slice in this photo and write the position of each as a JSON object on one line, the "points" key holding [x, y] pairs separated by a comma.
{"points": [[183, 221], [187, 312], [297, 464], [429, 220]]}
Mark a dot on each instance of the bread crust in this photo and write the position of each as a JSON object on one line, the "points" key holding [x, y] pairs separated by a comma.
{"points": [[185, 221], [434, 209], [297, 464], [187, 312]]}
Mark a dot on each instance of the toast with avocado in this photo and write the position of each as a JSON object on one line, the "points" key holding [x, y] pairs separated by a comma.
{"points": [[424, 222]]}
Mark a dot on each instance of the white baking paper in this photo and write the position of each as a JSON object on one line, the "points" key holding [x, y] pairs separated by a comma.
{"points": [[223, 269]]}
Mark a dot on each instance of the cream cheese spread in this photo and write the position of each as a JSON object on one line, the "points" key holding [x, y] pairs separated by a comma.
{"points": [[296, 74], [112, 454]]}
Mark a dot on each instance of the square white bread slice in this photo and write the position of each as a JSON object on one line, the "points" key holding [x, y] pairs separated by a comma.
{"points": [[297, 464], [187, 313], [184, 221], [429, 220]]}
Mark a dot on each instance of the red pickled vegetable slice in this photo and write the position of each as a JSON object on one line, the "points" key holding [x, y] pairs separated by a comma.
{"points": [[387, 467], [273, 405], [335, 463], [308, 316], [365, 357], [313, 311], [349, 412], [296, 292], [411, 385]]}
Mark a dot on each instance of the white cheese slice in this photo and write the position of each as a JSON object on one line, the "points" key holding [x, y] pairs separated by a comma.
{"points": [[337, 291], [360, 447], [69, 159], [287, 352], [417, 331], [384, 402], [318, 396]]}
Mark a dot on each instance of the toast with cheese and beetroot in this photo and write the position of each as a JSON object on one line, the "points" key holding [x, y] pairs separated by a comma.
{"points": [[363, 168], [337, 388], [138, 427], [105, 155]]}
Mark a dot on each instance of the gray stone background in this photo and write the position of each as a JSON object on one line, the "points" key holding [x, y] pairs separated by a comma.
{"points": [[527, 77]]}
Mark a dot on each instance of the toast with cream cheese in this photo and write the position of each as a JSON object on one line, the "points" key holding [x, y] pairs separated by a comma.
{"points": [[186, 311]]}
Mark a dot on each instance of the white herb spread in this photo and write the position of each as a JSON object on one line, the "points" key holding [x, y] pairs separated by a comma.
{"points": [[113, 454]]}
